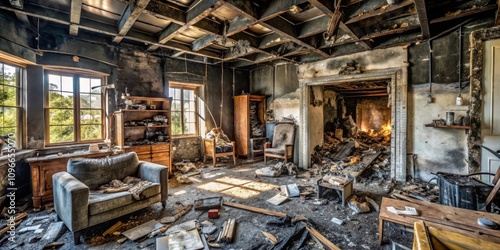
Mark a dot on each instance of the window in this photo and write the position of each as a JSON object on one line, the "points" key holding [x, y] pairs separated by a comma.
{"points": [[10, 102], [75, 108], [183, 110]]}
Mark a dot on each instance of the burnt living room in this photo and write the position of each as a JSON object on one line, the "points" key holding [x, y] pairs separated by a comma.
{"points": [[265, 124]]}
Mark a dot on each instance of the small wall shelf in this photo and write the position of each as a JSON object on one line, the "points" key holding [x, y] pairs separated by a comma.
{"points": [[450, 126], [447, 126]]}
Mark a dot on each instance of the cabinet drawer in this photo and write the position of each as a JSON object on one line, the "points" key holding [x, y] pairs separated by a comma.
{"points": [[144, 157], [160, 147], [160, 155], [138, 149]]}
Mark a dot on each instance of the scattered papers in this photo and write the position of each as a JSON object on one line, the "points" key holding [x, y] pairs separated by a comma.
{"points": [[407, 211], [277, 199]]}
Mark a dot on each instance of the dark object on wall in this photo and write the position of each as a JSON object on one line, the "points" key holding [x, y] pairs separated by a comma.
{"points": [[462, 191], [350, 69]]}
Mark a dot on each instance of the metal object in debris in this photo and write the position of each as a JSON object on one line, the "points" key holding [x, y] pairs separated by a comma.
{"points": [[213, 213], [208, 203]]}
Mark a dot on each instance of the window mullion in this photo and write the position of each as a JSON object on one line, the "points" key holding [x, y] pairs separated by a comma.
{"points": [[76, 106], [182, 111]]}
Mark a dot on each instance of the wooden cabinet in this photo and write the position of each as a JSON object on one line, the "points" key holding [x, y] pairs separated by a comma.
{"points": [[144, 128], [249, 122], [42, 169]]}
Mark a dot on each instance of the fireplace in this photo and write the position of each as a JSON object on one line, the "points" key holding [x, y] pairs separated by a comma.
{"points": [[386, 68]]}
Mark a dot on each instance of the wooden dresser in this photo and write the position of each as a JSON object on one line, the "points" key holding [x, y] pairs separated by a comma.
{"points": [[42, 169]]}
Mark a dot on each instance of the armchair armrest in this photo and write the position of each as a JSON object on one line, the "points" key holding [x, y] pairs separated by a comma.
{"points": [[289, 149], [155, 173], [267, 145], [71, 200]]}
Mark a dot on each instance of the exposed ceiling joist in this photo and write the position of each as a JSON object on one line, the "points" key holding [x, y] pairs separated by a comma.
{"points": [[128, 18], [423, 19], [271, 40], [76, 12], [102, 28], [276, 24], [463, 14], [196, 13], [204, 42], [278, 7], [328, 8], [19, 4]]}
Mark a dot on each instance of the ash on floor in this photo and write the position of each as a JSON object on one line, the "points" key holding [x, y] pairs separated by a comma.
{"points": [[240, 184]]}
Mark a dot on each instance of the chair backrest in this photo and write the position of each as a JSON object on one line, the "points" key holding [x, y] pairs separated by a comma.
{"points": [[96, 172], [284, 133]]}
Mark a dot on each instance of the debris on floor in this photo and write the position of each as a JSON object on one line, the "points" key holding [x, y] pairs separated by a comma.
{"points": [[280, 168]]}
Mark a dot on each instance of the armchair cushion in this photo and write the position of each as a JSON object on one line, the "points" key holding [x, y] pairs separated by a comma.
{"points": [[283, 135], [275, 151], [95, 172], [99, 203], [223, 149]]}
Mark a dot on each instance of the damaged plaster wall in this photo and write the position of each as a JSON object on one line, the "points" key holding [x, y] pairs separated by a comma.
{"points": [[437, 149]]}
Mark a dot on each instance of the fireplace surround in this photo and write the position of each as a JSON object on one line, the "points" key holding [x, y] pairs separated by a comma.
{"points": [[385, 65]]}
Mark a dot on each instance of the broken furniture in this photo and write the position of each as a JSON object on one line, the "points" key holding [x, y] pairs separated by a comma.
{"points": [[282, 143], [462, 191], [427, 238], [340, 185], [42, 169], [249, 122], [146, 131], [213, 150], [80, 209], [448, 218]]}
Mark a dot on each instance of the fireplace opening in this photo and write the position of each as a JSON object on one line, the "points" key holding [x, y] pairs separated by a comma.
{"points": [[357, 130]]}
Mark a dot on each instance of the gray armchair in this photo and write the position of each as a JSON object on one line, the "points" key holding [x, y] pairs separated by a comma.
{"points": [[79, 208], [282, 143]]}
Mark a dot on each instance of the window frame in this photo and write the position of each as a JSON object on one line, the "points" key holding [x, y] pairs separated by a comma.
{"points": [[20, 101], [76, 107], [182, 87]]}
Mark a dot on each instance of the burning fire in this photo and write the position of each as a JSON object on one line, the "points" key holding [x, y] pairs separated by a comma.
{"points": [[385, 131]]}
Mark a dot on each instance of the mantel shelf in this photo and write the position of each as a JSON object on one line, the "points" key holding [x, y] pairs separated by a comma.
{"points": [[447, 126]]}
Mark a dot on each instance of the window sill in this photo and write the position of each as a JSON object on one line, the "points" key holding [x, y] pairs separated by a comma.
{"points": [[19, 154]]}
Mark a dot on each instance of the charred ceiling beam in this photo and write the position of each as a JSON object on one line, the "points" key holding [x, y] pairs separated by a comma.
{"points": [[380, 12], [465, 13], [196, 13], [19, 4], [422, 17], [76, 13], [278, 7], [313, 27], [275, 24], [204, 42], [102, 28], [271, 40], [128, 18], [328, 8]]}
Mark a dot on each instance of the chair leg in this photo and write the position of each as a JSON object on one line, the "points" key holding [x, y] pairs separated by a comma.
{"points": [[76, 237], [265, 159], [164, 204], [286, 159], [215, 160], [234, 159]]}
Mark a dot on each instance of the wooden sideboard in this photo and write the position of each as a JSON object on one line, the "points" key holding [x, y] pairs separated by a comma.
{"points": [[42, 169]]}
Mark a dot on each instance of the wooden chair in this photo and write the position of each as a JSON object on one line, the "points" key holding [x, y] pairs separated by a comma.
{"points": [[214, 151], [282, 144]]}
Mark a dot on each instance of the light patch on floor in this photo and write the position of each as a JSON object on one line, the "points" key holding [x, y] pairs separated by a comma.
{"points": [[181, 192], [240, 192], [237, 187], [214, 186], [245, 170], [212, 175]]}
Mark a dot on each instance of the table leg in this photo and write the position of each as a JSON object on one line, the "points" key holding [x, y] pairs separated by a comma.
{"points": [[380, 231]]}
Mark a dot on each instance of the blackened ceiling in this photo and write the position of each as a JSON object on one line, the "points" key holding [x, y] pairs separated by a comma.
{"points": [[246, 33]]}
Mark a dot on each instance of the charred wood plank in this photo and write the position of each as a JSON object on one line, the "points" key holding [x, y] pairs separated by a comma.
{"points": [[278, 7], [464, 14], [76, 12], [380, 12], [343, 151], [422, 17], [128, 18]]}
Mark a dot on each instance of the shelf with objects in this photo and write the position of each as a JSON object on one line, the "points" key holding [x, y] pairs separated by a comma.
{"points": [[250, 125], [143, 127], [462, 123]]}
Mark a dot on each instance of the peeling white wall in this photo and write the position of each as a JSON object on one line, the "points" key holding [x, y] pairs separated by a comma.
{"points": [[437, 149]]}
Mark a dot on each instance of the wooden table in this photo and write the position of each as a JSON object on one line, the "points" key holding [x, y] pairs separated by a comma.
{"points": [[453, 219]]}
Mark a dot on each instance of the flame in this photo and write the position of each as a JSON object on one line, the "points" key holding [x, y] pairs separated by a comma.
{"points": [[385, 131]]}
